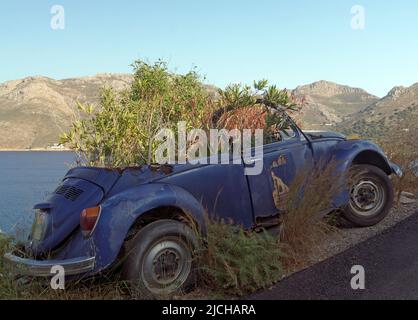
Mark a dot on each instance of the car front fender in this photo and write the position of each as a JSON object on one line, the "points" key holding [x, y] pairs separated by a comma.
{"points": [[349, 153]]}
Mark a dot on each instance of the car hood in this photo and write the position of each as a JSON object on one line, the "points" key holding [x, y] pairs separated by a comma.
{"points": [[316, 135]]}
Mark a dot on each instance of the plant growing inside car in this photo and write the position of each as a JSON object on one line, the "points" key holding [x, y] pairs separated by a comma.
{"points": [[121, 131]]}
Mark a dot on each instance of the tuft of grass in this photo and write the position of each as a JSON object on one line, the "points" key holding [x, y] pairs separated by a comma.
{"points": [[12, 288], [5, 246], [9, 289], [303, 226], [403, 150], [237, 262]]}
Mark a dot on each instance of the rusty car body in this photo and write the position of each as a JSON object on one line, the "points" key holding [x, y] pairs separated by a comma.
{"points": [[142, 211]]}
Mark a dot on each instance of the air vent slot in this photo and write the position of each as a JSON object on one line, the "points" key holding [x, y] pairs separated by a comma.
{"points": [[69, 192]]}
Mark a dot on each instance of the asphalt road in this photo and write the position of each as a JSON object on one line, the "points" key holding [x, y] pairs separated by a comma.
{"points": [[390, 261]]}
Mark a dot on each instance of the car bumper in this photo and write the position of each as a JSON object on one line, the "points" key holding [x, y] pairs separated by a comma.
{"points": [[37, 268], [396, 170]]}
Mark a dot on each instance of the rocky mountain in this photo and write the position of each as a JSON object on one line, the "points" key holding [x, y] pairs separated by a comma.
{"points": [[330, 103], [35, 110], [397, 110]]}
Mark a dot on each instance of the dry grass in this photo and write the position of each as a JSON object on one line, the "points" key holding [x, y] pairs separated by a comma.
{"points": [[244, 118], [12, 288], [402, 148], [303, 224]]}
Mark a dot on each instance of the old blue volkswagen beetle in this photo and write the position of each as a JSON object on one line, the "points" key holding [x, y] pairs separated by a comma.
{"points": [[147, 218]]}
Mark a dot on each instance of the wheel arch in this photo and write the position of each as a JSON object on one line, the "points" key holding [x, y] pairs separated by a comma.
{"points": [[351, 153], [373, 158], [170, 212], [127, 212]]}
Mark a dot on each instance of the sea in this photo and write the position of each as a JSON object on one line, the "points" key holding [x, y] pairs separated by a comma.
{"points": [[26, 178]]}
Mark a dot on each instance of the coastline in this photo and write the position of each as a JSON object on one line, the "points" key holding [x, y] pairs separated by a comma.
{"points": [[35, 150]]}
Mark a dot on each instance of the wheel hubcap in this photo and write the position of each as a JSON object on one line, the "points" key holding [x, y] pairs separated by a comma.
{"points": [[167, 266], [367, 198]]}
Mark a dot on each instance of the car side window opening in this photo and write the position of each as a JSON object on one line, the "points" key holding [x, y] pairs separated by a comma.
{"points": [[279, 132]]}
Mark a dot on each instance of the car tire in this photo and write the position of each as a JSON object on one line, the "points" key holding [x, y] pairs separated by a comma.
{"points": [[371, 196], [160, 259]]}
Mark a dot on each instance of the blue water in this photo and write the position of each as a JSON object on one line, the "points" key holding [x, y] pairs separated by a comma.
{"points": [[25, 179]]}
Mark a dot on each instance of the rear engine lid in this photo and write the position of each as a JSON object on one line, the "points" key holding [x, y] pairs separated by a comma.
{"points": [[104, 178], [59, 215]]}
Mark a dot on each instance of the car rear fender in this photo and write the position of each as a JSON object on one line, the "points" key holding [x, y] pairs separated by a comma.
{"points": [[120, 212]]}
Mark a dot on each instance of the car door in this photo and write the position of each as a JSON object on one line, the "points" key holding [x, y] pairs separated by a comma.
{"points": [[284, 157]]}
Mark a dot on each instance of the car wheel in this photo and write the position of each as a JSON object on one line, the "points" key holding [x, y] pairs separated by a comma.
{"points": [[371, 196], [159, 260]]}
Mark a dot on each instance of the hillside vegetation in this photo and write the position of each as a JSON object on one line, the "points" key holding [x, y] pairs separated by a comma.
{"points": [[34, 111]]}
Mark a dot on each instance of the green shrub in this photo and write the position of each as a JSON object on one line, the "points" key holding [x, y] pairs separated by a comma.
{"points": [[121, 131], [238, 262]]}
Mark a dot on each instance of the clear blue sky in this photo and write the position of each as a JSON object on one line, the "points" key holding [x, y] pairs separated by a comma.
{"points": [[288, 42]]}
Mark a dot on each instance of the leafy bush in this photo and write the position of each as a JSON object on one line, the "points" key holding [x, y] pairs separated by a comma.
{"points": [[121, 131], [238, 262]]}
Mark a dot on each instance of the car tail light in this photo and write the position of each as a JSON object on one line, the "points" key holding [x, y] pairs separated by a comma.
{"points": [[89, 219], [40, 225]]}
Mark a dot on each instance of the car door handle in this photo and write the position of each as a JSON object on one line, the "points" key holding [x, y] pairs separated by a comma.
{"points": [[253, 161]]}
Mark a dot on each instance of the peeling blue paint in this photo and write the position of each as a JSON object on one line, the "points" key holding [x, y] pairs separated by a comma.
{"points": [[221, 191]]}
